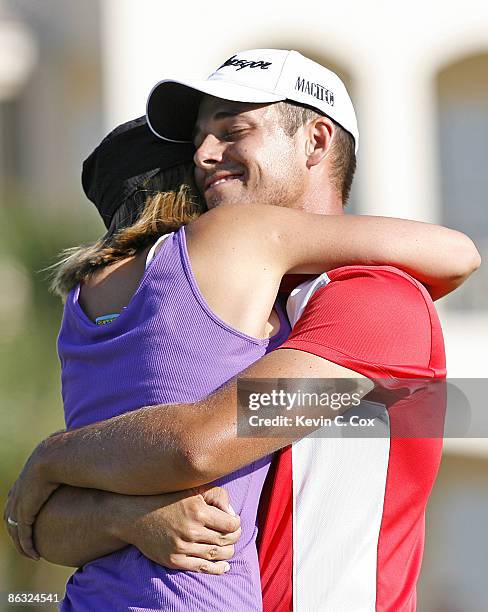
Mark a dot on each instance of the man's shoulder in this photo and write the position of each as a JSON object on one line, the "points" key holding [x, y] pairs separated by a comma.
{"points": [[372, 315], [373, 272], [363, 283]]}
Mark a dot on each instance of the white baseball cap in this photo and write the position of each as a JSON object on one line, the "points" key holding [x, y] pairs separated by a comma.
{"points": [[256, 76]]}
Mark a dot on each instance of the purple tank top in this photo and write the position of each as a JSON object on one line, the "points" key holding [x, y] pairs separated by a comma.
{"points": [[166, 347]]}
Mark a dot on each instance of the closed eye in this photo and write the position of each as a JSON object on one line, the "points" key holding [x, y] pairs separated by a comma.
{"points": [[233, 134]]}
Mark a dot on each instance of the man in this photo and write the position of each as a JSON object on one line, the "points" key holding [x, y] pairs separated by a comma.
{"points": [[387, 328]]}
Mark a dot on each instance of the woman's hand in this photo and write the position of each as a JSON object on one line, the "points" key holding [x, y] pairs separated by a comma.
{"points": [[192, 530], [25, 499]]}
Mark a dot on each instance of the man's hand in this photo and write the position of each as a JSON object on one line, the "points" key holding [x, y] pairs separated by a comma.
{"points": [[25, 499], [191, 530]]}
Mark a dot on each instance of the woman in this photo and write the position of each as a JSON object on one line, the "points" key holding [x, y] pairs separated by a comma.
{"points": [[154, 316]]}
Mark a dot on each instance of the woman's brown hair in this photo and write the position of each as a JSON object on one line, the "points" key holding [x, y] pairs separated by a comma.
{"points": [[163, 204]]}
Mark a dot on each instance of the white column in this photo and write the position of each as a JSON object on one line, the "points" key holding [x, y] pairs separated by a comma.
{"points": [[398, 140], [147, 39], [18, 56]]}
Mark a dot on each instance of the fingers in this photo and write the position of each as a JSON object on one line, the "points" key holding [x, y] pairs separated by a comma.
{"points": [[208, 536], [26, 541], [14, 536], [12, 532], [217, 520], [20, 533], [209, 552], [194, 564], [21, 536], [11, 529], [218, 497], [217, 569]]}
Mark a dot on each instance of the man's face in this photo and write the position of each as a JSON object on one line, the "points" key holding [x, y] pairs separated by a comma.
{"points": [[244, 157]]}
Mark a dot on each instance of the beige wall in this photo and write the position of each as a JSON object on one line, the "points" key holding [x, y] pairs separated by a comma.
{"points": [[392, 53]]}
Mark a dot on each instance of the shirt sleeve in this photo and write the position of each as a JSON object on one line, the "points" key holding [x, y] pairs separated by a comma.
{"points": [[375, 320]]}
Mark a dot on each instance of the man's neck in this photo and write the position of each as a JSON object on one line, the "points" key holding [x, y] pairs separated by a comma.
{"points": [[321, 204]]}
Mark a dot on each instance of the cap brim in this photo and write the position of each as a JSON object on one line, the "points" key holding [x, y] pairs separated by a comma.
{"points": [[172, 106]]}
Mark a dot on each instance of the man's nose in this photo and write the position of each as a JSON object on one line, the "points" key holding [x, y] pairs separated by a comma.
{"points": [[209, 152]]}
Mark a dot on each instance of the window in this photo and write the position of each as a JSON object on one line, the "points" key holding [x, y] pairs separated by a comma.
{"points": [[462, 90]]}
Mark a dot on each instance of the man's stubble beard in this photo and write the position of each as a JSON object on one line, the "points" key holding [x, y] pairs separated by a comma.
{"points": [[287, 193]]}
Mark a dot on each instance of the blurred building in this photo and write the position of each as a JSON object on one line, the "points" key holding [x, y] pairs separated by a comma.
{"points": [[55, 116], [418, 73]]}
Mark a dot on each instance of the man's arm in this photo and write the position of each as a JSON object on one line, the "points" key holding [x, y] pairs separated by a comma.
{"points": [[161, 449], [157, 450]]}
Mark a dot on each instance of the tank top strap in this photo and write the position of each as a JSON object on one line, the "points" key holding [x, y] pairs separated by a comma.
{"points": [[152, 251], [284, 330]]}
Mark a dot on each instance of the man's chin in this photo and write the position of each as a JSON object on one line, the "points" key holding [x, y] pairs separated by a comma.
{"points": [[218, 199]]}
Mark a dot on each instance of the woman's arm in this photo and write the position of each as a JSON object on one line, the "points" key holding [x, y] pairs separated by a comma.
{"points": [[295, 241]]}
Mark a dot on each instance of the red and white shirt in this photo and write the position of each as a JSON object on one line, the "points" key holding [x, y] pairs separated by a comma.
{"points": [[342, 519]]}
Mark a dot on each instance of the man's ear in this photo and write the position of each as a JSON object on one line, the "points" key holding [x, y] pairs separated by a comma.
{"points": [[320, 132]]}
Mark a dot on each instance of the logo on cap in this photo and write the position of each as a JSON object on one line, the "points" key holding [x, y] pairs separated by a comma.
{"points": [[240, 63], [315, 90]]}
